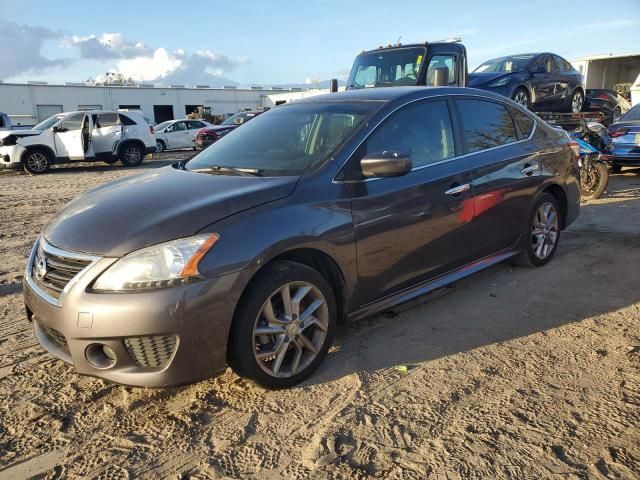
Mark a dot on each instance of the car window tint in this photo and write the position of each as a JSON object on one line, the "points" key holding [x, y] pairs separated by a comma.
{"points": [[179, 126], [108, 119], [194, 124], [524, 122], [73, 122], [126, 120], [486, 124], [421, 129], [441, 61]]}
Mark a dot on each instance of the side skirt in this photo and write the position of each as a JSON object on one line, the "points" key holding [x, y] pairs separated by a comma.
{"points": [[431, 285]]}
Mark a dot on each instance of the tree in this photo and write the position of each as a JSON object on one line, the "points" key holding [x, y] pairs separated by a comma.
{"points": [[111, 79]]}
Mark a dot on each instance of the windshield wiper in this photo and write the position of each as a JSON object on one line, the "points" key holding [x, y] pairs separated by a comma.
{"points": [[242, 171]]}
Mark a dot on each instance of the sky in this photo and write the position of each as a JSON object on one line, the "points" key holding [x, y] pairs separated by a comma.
{"points": [[253, 42]]}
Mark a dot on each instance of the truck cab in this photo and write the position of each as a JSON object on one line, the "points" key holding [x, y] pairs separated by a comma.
{"points": [[441, 63]]}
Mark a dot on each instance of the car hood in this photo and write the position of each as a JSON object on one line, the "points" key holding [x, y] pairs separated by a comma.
{"points": [[135, 212], [476, 79], [19, 133], [219, 128]]}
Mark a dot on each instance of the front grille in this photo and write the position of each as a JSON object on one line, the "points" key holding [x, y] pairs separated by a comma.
{"points": [[56, 337], [53, 271], [153, 351]]}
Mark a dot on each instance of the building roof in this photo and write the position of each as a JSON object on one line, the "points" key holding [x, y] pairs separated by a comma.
{"points": [[606, 56]]}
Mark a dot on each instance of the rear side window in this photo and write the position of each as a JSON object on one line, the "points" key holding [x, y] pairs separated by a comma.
{"points": [[421, 129], [103, 120], [196, 124], [486, 124], [524, 122], [126, 120]]}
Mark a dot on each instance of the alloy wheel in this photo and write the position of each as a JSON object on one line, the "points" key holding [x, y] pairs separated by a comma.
{"points": [[290, 329], [132, 154], [37, 162], [159, 147], [576, 102], [544, 233], [521, 98]]}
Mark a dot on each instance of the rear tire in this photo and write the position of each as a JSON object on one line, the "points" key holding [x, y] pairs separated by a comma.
{"points": [[36, 161], [266, 343], [543, 233], [131, 155]]}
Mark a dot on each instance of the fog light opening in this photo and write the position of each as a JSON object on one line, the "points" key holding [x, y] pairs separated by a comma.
{"points": [[100, 356]]}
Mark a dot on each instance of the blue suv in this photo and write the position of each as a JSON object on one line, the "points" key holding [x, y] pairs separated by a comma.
{"points": [[538, 81]]}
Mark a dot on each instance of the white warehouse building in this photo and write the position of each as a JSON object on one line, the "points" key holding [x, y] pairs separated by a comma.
{"points": [[28, 104]]}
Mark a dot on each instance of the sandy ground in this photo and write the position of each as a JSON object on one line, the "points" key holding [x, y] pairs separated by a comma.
{"points": [[513, 373]]}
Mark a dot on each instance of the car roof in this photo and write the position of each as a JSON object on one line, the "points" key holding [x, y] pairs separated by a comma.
{"points": [[388, 94]]}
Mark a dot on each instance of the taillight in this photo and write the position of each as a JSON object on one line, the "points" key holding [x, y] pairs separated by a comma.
{"points": [[575, 148], [619, 133], [152, 130]]}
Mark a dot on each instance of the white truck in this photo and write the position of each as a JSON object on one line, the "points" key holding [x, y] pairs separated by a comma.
{"points": [[94, 135]]}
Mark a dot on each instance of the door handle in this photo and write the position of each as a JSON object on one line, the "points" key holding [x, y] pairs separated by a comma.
{"points": [[456, 189], [529, 169]]}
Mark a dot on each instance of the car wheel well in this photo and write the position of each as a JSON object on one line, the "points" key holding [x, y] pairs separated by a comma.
{"points": [[162, 142], [561, 198], [43, 148], [130, 141]]}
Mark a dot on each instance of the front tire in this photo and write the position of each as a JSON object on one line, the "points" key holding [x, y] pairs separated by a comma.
{"points": [[284, 325], [160, 147], [543, 233], [36, 161], [521, 97], [131, 155], [594, 181]]}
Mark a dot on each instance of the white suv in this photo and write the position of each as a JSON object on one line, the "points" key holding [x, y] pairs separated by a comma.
{"points": [[94, 135]]}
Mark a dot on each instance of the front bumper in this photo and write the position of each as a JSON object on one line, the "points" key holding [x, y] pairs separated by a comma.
{"points": [[196, 317], [10, 156]]}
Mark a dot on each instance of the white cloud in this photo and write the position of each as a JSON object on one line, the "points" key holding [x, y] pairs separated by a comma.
{"points": [[108, 46], [159, 65], [22, 49]]}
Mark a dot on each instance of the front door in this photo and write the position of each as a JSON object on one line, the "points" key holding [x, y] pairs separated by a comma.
{"points": [[543, 82], [178, 136], [414, 227], [72, 137], [505, 168]]}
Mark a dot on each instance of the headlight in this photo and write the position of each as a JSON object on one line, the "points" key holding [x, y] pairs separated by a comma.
{"points": [[164, 265], [501, 82]]}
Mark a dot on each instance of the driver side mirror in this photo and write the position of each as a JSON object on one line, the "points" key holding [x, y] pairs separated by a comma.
{"points": [[386, 164], [59, 129]]}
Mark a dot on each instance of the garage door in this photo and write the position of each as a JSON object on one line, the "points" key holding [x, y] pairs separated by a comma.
{"points": [[46, 111]]}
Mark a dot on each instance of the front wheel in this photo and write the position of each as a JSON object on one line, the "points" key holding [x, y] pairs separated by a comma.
{"points": [[159, 146], [131, 155], [543, 233], [284, 325], [521, 96], [594, 178], [36, 162], [577, 101]]}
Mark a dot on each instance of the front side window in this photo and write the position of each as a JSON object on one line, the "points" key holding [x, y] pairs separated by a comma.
{"points": [[73, 122], [486, 124], [176, 127], [48, 123], [422, 130], [398, 66], [284, 141], [442, 61]]}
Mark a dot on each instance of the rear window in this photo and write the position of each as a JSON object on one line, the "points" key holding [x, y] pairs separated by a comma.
{"points": [[126, 120], [524, 122], [486, 124]]}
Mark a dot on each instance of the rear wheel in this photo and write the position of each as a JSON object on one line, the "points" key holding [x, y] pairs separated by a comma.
{"points": [[284, 325], [131, 155], [521, 96], [543, 233], [577, 101], [36, 161]]}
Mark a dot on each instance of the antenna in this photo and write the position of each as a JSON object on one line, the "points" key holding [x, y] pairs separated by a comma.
{"points": [[398, 42]]}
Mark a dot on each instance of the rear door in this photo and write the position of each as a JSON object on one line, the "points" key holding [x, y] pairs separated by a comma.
{"points": [[106, 132], [72, 137], [505, 168], [411, 228]]}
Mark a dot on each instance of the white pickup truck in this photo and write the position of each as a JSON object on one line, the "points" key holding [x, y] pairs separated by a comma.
{"points": [[94, 135]]}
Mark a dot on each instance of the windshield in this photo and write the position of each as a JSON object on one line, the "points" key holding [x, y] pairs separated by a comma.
{"points": [[163, 125], [631, 115], [48, 123], [284, 141], [398, 66], [238, 119], [515, 63]]}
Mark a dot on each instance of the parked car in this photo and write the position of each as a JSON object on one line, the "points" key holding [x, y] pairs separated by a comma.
{"points": [[538, 81], [210, 134], [178, 134], [625, 134], [317, 212], [86, 136], [605, 101]]}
